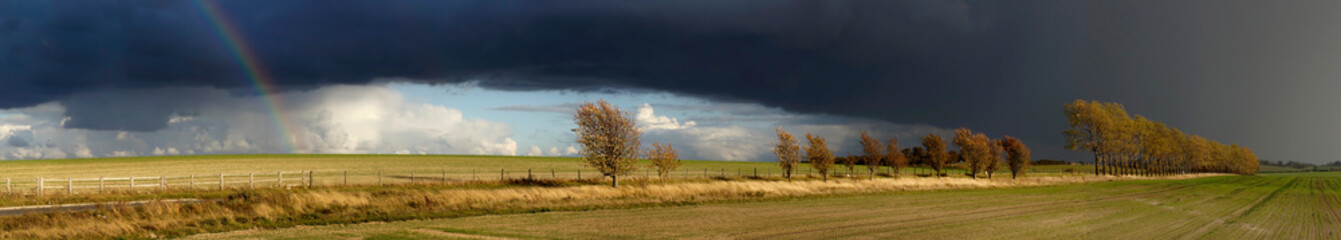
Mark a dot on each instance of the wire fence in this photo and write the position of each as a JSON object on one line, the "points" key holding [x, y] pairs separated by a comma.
{"points": [[288, 179]]}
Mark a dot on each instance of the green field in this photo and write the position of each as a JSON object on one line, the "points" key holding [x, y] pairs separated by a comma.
{"points": [[363, 169], [1272, 206]]}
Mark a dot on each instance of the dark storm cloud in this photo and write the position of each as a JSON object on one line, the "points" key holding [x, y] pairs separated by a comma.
{"points": [[1002, 68]]}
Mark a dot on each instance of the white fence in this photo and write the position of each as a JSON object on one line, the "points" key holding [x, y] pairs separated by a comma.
{"points": [[40, 185]]}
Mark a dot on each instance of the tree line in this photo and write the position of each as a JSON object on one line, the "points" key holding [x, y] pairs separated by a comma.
{"points": [[982, 154], [1127, 145]]}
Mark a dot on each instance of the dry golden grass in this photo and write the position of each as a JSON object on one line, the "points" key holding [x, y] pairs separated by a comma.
{"points": [[278, 208]]}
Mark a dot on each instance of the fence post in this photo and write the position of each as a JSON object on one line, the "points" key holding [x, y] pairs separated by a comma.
{"points": [[251, 180], [579, 174], [310, 179], [8, 188], [474, 177], [302, 178], [162, 182], [501, 177], [69, 185], [39, 186], [379, 178], [444, 176], [132, 184], [281, 179], [346, 178], [221, 181], [192, 185], [528, 174], [101, 187], [756, 172], [411, 176], [552, 175]]}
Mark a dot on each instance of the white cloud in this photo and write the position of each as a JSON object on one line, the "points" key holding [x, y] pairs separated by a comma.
{"points": [[332, 119], [535, 151], [650, 121], [570, 151], [168, 151], [732, 143]]}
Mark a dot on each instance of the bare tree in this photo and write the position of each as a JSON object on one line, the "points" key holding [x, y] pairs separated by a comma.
{"points": [[1017, 154], [609, 139], [664, 158], [819, 155], [789, 153], [872, 153], [936, 156]]}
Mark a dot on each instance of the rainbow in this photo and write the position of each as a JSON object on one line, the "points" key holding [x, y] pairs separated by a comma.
{"points": [[260, 80]]}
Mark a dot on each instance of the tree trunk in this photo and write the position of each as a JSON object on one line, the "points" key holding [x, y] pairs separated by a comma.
{"points": [[1096, 163], [614, 181]]}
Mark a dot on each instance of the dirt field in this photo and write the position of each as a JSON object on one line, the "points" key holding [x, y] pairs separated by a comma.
{"points": [[1276, 206]]}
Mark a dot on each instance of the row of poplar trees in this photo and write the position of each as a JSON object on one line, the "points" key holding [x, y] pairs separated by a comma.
{"points": [[1126, 145], [983, 155]]}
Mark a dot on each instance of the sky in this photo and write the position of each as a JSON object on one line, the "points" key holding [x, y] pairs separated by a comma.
{"points": [[714, 78]]}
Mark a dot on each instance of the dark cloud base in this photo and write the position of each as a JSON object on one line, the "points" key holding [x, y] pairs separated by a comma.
{"points": [[998, 67]]}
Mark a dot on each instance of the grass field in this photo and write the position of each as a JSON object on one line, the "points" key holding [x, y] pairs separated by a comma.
{"points": [[364, 169], [1272, 206]]}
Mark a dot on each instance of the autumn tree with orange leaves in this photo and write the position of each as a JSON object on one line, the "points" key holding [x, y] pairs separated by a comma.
{"points": [[1017, 156], [819, 156], [936, 154], [894, 157], [872, 153], [789, 153], [1123, 144], [664, 158], [609, 139]]}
